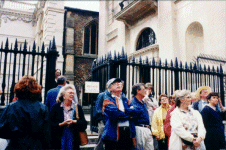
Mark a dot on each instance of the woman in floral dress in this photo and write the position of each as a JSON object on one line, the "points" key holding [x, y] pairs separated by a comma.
{"points": [[188, 131]]}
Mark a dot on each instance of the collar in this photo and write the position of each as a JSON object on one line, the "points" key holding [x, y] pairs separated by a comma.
{"points": [[139, 101], [214, 108], [62, 104], [116, 96], [189, 109], [204, 101]]}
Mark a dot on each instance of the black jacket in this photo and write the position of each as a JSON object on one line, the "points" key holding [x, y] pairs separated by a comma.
{"points": [[56, 117], [26, 124]]}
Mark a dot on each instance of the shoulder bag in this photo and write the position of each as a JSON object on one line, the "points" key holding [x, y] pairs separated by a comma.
{"points": [[82, 135]]}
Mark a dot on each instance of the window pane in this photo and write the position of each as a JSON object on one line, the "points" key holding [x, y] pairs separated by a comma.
{"points": [[93, 38], [86, 41], [146, 38]]}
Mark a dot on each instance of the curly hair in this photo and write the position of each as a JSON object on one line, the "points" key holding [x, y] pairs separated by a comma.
{"points": [[28, 88]]}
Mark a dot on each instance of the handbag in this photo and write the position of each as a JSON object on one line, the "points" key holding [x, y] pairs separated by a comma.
{"points": [[83, 135], [188, 142]]}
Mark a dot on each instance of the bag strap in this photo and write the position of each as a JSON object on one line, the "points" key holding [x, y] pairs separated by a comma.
{"points": [[76, 111]]}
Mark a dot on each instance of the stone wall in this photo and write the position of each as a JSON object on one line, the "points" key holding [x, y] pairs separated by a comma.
{"points": [[78, 65]]}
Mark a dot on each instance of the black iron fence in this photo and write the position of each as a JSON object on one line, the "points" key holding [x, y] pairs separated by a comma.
{"points": [[17, 62], [166, 77]]}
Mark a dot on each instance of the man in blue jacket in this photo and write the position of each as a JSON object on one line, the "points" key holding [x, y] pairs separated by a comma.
{"points": [[144, 137], [119, 131], [52, 93]]}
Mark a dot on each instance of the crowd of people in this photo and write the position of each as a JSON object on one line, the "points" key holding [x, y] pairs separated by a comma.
{"points": [[182, 121], [27, 123]]}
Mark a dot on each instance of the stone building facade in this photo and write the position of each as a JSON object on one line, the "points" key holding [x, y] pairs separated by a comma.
{"points": [[164, 29], [80, 47]]}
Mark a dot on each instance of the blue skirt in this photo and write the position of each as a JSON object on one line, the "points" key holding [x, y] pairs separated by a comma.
{"points": [[67, 139]]}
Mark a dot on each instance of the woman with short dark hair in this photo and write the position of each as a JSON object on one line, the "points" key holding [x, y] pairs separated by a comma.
{"points": [[212, 119], [25, 121], [188, 131], [65, 126]]}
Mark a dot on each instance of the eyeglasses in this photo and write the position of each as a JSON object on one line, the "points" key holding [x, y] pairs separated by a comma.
{"points": [[117, 83]]}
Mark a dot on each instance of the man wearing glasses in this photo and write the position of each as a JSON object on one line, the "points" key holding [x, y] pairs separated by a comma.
{"points": [[119, 131]]}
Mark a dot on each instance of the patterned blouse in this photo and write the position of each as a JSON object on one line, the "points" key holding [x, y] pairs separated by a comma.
{"points": [[68, 114]]}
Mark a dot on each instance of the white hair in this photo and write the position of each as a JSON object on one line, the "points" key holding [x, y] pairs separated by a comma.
{"points": [[180, 96], [63, 90]]}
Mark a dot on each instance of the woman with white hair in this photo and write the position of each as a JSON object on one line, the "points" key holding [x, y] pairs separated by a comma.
{"points": [[188, 131], [65, 127]]}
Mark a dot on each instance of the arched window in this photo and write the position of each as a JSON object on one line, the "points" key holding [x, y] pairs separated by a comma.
{"points": [[194, 41], [91, 39], [147, 37]]}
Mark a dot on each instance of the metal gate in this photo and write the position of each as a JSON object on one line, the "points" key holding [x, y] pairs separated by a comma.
{"points": [[16, 62]]}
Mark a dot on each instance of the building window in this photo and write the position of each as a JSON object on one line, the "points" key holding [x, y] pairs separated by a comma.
{"points": [[91, 39], [147, 37]]}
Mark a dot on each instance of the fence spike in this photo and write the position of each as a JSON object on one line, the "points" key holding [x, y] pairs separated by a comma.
{"points": [[16, 46], [126, 56], [123, 53], [153, 61], [217, 69], [25, 46], [221, 69], [195, 67], [102, 59], [204, 68], [166, 63], [200, 67], [133, 59], [213, 69], [176, 62], [118, 56], [186, 65], [171, 63], [147, 60], [208, 68], [115, 57], [34, 47], [181, 65], [7, 44], [53, 48], [140, 60], [191, 66], [105, 57], [160, 62], [43, 47]]}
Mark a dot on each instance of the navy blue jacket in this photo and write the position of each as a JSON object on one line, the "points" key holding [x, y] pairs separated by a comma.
{"points": [[26, 124], [51, 97], [143, 118]]}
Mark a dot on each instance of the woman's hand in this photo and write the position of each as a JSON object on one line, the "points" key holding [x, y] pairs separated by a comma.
{"points": [[66, 123], [197, 141]]}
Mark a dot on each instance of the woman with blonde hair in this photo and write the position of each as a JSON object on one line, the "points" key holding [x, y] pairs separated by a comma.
{"points": [[188, 131], [65, 126]]}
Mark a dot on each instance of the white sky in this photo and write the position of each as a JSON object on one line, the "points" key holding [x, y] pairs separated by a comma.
{"points": [[86, 5]]}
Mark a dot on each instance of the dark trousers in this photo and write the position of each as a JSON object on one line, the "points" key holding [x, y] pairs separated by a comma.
{"points": [[163, 144], [124, 142]]}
